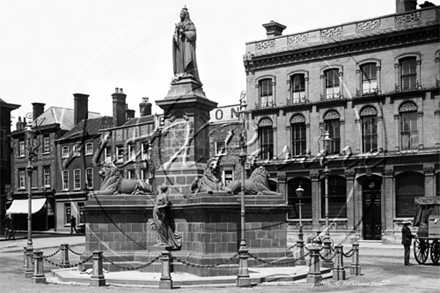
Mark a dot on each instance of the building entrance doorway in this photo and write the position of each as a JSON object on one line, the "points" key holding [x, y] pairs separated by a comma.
{"points": [[371, 219]]}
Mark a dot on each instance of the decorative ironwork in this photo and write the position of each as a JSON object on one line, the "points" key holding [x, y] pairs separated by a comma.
{"points": [[331, 115], [298, 39], [368, 25], [368, 111], [265, 45], [298, 118], [408, 107], [409, 18], [331, 32]]}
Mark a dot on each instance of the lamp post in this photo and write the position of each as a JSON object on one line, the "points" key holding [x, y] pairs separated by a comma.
{"points": [[299, 193], [29, 136], [326, 171]]}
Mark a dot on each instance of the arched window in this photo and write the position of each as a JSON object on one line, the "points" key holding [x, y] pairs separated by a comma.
{"points": [[89, 148], [298, 128], [306, 200], [409, 134], [369, 129], [408, 73], [332, 125], [337, 197], [408, 186], [265, 135]]}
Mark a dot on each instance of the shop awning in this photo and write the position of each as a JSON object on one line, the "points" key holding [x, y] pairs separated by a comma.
{"points": [[20, 206]]}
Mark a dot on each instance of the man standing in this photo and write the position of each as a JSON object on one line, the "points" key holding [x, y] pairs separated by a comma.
{"points": [[73, 224], [406, 239]]}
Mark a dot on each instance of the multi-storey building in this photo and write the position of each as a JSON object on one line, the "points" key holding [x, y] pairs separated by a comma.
{"points": [[47, 127], [374, 86], [5, 156]]}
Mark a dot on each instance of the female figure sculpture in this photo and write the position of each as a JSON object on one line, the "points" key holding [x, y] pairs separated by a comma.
{"points": [[164, 222], [184, 48]]}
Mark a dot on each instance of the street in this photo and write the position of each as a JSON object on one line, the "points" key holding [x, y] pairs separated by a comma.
{"points": [[382, 270]]}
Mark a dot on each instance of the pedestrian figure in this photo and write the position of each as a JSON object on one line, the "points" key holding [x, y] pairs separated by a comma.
{"points": [[9, 227], [406, 240], [73, 224]]}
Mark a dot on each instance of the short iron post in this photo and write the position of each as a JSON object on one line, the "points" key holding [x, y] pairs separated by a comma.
{"points": [[24, 257], [339, 270], [29, 271], [165, 279], [314, 276], [38, 276], [97, 279], [355, 268], [243, 279], [300, 245], [64, 261], [327, 262]]}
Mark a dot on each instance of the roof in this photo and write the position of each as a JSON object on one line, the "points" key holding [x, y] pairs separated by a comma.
{"points": [[63, 116], [138, 120], [89, 127], [3, 104]]}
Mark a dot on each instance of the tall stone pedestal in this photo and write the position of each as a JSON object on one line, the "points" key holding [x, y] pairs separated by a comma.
{"points": [[120, 226], [185, 139]]}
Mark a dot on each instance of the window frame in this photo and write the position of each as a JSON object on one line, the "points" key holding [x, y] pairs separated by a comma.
{"points": [[21, 179], [89, 180], [119, 152], [89, 149], [266, 139], [217, 144], [77, 179], [67, 213], [406, 199], [367, 114], [298, 96], [21, 148], [370, 78], [65, 180], [65, 151], [340, 184], [306, 199], [334, 85], [46, 144], [408, 111], [76, 150], [300, 142], [145, 150], [46, 176], [411, 75]]}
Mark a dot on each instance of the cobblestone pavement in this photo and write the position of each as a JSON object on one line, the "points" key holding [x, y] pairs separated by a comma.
{"points": [[382, 271]]}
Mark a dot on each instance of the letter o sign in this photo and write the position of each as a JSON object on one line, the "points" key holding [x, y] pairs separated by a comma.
{"points": [[219, 114]]}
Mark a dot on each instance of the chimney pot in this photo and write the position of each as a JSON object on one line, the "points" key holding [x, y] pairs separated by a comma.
{"points": [[405, 5], [145, 107]]}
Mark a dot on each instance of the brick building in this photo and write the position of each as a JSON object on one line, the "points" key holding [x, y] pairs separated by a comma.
{"points": [[48, 125], [5, 156], [374, 86]]}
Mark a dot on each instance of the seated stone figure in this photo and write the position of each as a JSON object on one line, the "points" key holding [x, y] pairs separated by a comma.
{"points": [[210, 181], [257, 184], [113, 182]]}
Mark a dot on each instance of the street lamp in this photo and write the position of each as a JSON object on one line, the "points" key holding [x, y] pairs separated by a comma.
{"points": [[299, 193], [326, 171], [29, 137]]}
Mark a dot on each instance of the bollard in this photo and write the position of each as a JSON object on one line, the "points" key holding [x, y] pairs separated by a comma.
{"points": [[339, 270], [29, 271], [38, 276], [355, 268], [300, 244], [327, 263], [64, 261], [243, 279], [165, 279], [314, 276], [97, 278]]}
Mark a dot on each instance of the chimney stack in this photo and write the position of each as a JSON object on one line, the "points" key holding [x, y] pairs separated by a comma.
{"points": [[37, 110], [405, 5], [81, 108], [273, 29], [145, 107], [119, 107], [129, 113]]}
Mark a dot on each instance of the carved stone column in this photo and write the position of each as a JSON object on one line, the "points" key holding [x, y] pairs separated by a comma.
{"points": [[358, 149], [289, 139], [275, 144], [389, 195], [351, 199], [437, 120], [316, 199], [282, 186], [380, 132], [396, 132], [342, 134], [308, 134], [429, 179], [420, 126], [378, 69], [396, 77]]}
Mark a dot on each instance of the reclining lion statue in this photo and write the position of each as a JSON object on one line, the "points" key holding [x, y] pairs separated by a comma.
{"points": [[257, 184], [113, 182], [210, 181]]}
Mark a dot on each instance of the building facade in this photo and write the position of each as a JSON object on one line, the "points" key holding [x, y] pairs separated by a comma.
{"points": [[373, 85]]}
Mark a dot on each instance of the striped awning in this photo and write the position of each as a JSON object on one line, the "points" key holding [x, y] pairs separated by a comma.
{"points": [[20, 206]]}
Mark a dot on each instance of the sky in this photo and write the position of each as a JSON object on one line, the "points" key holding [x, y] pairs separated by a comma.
{"points": [[51, 49]]}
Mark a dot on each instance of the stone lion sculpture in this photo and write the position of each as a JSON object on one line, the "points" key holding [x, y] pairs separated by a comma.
{"points": [[113, 182], [210, 180], [257, 184]]}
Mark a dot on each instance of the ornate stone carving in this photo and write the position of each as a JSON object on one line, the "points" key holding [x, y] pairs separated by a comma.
{"points": [[368, 111], [265, 45], [349, 173], [408, 107], [332, 114], [298, 39], [368, 25], [429, 170], [331, 32], [368, 171], [409, 18], [388, 172], [437, 112], [314, 174], [248, 56], [282, 178], [298, 118], [265, 122]]}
